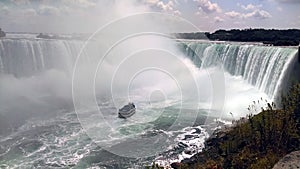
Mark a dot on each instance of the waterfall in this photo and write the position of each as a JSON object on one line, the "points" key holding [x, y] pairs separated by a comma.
{"points": [[261, 66], [26, 57]]}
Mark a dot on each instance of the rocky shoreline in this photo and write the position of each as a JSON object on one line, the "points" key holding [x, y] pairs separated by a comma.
{"points": [[290, 161], [258, 141]]}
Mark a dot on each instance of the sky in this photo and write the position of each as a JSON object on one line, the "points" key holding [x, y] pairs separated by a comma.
{"points": [[86, 16]]}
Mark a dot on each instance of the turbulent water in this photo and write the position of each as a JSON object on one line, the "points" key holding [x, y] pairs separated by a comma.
{"points": [[40, 128]]}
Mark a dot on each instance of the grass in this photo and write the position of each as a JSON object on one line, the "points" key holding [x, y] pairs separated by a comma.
{"points": [[257, 141]]}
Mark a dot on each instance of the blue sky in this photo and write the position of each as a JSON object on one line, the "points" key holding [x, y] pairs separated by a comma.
{"points": [[68, 16]]}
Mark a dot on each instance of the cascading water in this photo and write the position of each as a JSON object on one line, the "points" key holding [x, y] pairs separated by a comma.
{"points": [[35, 78], [261, 66], [26, 57]]}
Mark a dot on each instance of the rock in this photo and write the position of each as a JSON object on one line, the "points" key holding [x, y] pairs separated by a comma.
{"points": [[188, 152], [175, 165], [43, 36], [2, 33], [290, 161]]}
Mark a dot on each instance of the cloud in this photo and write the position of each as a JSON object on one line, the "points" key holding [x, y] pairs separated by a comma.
{"points": [[153, 2], [15, 14], [169, 6], [239, 22], [259, 14], [48, 10], [218, 19], [254, 11], [251, 7], [58, 7], [287, 1], [20, 2], [207, 6], [233, 14], [177, 12], [66, 16], [4, 10], [86, 4], [79, 3], [279, 9]]}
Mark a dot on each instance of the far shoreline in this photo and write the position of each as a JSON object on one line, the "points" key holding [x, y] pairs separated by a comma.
{"points": [[264, 37]]}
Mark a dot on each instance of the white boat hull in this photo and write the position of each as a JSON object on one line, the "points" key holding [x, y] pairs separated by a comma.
{"points": [[126, 114]]}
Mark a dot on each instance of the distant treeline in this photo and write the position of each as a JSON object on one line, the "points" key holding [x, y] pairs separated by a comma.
{"points": [[290, 37]]}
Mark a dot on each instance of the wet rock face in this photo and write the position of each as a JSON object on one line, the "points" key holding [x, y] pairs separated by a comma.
{"points": [[176, 165], [289, 161]]}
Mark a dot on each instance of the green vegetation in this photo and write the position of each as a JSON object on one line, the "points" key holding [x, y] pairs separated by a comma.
{"points": [[290, 37], [258, 141]]}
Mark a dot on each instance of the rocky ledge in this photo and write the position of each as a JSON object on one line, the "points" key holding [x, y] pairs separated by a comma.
{"points": [[289, 161]]}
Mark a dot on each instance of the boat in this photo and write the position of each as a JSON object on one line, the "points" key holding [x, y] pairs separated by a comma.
{"points": [[127, 111]]}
